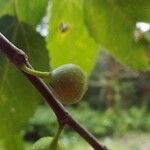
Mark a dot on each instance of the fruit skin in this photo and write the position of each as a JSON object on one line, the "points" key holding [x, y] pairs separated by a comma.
{"points": [[68, 83], [45, 144]]}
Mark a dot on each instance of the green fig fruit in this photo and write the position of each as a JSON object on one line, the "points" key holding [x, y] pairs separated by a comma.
{"points": [[46, 143], [67, 82]]}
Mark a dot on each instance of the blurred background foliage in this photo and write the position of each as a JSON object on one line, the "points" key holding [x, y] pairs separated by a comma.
{"points": [[109, 39]]}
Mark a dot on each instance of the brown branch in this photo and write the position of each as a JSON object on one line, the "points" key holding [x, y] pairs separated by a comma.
{"points": [[18, 58]]}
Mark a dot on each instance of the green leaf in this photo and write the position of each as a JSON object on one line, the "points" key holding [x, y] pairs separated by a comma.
{"points": [[28, 11], [31, 11], [6, 7], [14, 142], [18, 98], [69, 40], [112, 24]]}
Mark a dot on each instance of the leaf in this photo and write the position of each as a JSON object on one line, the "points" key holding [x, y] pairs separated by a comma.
{"points": [[18, 98], [14, 142], [112, 24], [28, 11], [31, 11], [68, 40], [6, 7]]}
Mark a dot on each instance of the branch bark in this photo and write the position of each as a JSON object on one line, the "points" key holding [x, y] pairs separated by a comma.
{"points": [[18, 58]]}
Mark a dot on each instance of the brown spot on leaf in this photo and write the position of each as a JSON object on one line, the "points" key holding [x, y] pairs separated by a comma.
{"points": [[63, 27]]}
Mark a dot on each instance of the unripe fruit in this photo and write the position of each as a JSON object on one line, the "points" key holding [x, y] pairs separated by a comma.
{"points": [[45, 143], [68, 83]]}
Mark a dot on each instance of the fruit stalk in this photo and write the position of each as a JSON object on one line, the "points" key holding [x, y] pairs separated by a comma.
{"points": [[54, 143], [36, 73]]}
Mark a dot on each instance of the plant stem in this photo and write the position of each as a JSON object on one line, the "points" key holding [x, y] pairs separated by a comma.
{"points": [[54, 143], [36, 73], [18, 58], [59, 131]]}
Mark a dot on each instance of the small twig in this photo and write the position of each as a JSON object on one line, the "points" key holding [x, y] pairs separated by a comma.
{"points": [[18, 58]]}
